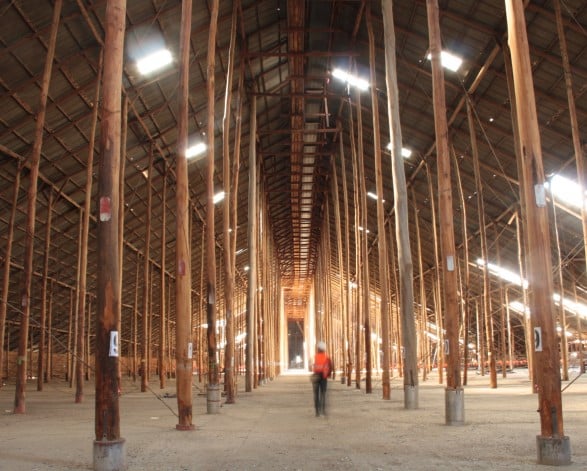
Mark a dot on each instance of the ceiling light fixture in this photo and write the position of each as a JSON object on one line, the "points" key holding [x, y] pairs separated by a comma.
{"points": [[218, 197], [352, 80], [154, 61], [195, 150], [449, 61], [406, 153]]}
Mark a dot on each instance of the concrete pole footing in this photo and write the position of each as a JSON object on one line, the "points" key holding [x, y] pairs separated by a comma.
{"points": [[454, 403], [109, 455], [213, 399], [553, 451], [410, 397]]}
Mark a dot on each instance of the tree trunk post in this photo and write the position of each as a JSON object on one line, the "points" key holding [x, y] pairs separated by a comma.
{"points": [[109, 447], [553, 447]]}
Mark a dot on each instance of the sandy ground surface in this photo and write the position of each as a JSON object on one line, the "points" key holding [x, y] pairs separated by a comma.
{"points": [[274, 428]]}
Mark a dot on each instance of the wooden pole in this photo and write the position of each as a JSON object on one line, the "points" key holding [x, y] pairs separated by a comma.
{"points": [[145, 350], [135, 321], [121, 184], [226, 219], [576, 133], [402, 231], [425, 358], [82, 290], [381, 239], [163, 288], [213, 368], [74, 320], [564, 345], [520, 222], [108, 445], [183, 282], [252, 248], [35, 159], [436, 282], [340, 258], [42, 322], [365, 285], [484, 252], [466, 274], [553, 446], [358, 274], [6, 268], [454, 392], [49, 367]]}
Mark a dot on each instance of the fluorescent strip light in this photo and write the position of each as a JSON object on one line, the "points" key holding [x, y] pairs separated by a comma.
{"points": [[406, 153], [195, 150], [372, 195], [360, 83], [218, 197], [155, 61], [565, 190], [449, 61], [502, 273]]}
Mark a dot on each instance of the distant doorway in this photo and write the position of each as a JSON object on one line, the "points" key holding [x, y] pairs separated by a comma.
{"points": [[295, 343]]}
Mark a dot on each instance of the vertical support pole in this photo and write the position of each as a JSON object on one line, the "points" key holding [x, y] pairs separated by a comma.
{"points": [[109, 452], [183, 281], [146, 311], [226, 217], [21, 364], [358, 275], [564, 344], [43, 322], [553, 447], [121, 184], [436, 282], [484, 251], [466, 275], [454, 394], [252, 249], [82, 288], [163, 288], [347, 357], [400, 196], [364, 265], [6, 267], [424, 355], [381, 239], [576, 134], [213, 393], [340, 257]]}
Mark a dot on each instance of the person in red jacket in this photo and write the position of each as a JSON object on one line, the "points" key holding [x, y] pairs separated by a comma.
{"points": [[321, 369]]}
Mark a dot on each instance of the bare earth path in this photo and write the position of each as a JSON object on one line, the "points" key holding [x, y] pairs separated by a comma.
{"points": [[274, 428]]}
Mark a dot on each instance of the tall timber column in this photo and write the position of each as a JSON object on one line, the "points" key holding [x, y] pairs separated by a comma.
{"points": [[454, 394], [109, 450], [406, 268], [252, 249], [381, 240], [183, 282], [553, 447], [213, 393], [35, 159]]}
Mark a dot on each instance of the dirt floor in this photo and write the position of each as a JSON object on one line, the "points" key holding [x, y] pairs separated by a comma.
{"points": [[274, 428]]}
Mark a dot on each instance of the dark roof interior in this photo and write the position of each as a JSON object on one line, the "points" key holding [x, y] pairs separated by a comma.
{"points": [[284, 57]]}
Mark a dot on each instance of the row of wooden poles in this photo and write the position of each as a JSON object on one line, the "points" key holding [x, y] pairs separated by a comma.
{"points": [[265, 351]]}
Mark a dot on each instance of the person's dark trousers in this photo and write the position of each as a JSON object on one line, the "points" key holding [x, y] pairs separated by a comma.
{"points": [[320, 396]]}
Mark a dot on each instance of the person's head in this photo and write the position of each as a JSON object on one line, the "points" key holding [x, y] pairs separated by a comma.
{"points": [[321, 346]]}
